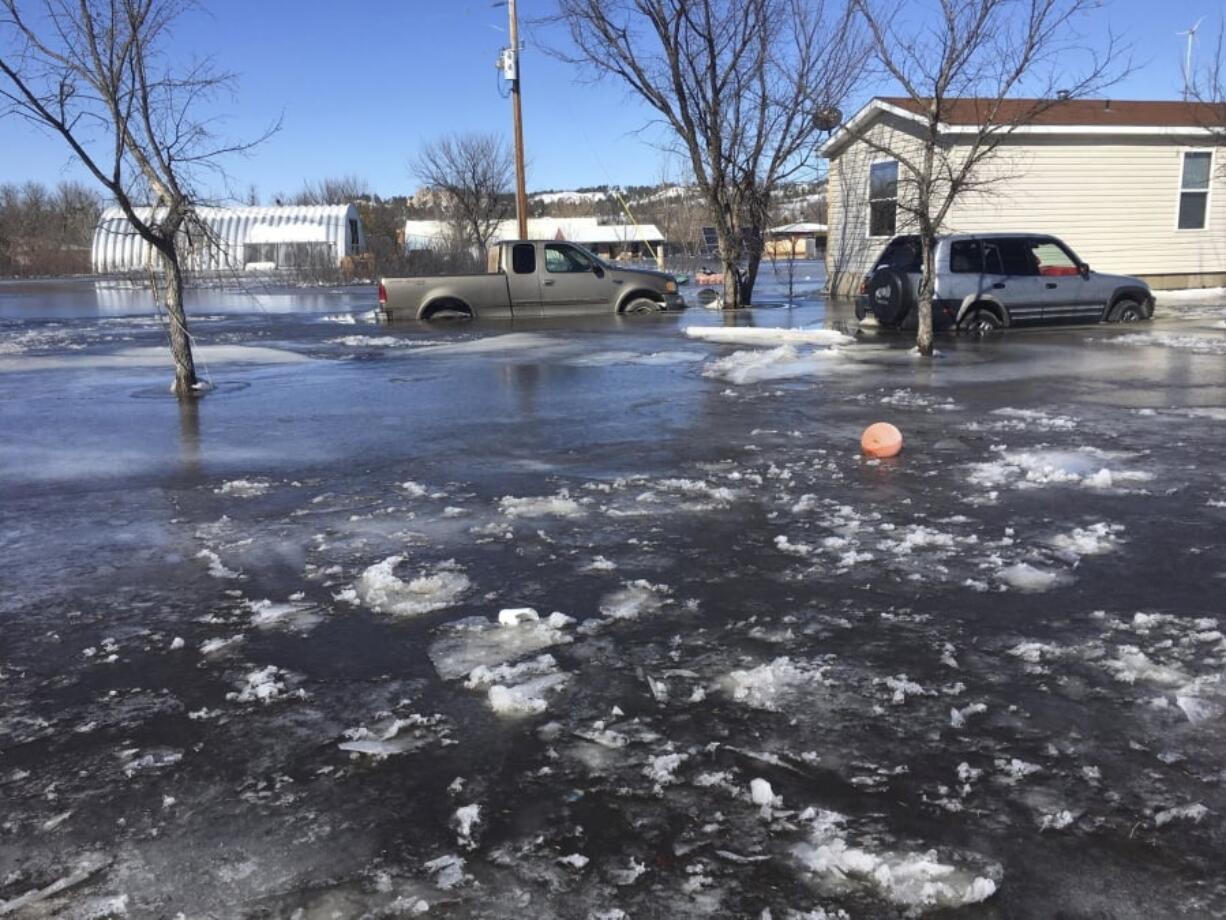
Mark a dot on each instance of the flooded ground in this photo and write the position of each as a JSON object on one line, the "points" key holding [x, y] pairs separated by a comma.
{"points": [[598, 619]]}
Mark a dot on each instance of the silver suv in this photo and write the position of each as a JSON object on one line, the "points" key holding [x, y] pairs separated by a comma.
{"points": [[986, 281]]}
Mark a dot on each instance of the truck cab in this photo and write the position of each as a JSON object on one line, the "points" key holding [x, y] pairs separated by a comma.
{"points": [[531, 278]]}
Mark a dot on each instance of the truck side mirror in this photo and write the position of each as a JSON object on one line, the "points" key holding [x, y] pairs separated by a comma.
{"points": [[1084, 270]]}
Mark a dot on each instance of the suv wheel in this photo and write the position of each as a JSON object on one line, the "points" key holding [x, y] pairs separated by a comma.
{"points": [[1127, 311], [981, 321]]}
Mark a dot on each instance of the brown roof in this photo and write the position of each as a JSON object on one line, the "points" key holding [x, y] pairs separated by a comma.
{"points": [[1078, 112]]}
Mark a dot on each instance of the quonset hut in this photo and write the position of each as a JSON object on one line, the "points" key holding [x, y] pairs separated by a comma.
{"points": [[239, 239]]}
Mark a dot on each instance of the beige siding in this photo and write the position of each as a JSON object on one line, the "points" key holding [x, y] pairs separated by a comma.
{"points": [[850, 251], [1115, 204], [1113, 200]]}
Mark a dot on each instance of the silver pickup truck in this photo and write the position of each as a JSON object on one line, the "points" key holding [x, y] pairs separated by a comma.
{"points": [[531, 278]]}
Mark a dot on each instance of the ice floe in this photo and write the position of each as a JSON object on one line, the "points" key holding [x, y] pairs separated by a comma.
{"points": [[381, 590], [912, 879]]}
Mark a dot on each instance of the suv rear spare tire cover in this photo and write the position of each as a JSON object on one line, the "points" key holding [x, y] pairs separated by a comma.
{"points": [[889, 296]]}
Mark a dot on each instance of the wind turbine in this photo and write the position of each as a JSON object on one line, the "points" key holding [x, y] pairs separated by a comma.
{"points": [[1187, 62]]}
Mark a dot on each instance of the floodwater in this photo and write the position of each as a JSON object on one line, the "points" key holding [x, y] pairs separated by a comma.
{"points": [[592, 618]]}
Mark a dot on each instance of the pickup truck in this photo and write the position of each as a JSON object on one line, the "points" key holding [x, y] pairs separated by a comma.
{"points": [[531, 278]]}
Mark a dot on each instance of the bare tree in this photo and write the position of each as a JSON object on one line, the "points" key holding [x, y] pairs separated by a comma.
{"points": [[334, 190], [968, 59], [98, 74], [1208, 87], [745, 87], [474, 172]]}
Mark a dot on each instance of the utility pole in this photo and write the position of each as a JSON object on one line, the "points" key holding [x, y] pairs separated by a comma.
{"points": [[511, 70]]}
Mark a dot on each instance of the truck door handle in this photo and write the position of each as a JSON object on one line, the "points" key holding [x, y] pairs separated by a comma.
{"points": [[999, 285], [547, 282], [1050, 285]]}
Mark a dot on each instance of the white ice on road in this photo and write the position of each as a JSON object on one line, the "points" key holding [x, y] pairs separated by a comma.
{"points": [[755, 335]]}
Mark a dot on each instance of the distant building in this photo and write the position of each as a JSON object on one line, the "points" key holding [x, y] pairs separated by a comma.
{"points": [[239, 239], [1132, 187], [799, 240], [609, 241]]}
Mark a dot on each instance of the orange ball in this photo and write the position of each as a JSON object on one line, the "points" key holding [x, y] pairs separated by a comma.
{"points": [[881, 440]]}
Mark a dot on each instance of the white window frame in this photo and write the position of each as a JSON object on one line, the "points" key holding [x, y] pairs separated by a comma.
{"points": [[868, 198], [1183, 155]]}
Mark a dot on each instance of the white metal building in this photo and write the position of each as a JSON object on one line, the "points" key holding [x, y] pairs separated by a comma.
{"points": [[239, 239], [610, 240]]}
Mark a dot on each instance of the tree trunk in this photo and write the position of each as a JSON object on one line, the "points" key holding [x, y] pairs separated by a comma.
{"points": [[923, 334], [750, 278], [180, 342]]}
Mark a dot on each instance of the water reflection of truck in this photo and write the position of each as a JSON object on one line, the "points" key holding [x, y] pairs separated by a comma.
{"points": [[531, 278]]}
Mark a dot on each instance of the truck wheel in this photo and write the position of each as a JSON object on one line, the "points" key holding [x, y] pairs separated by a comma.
{"points": [[448, 311], [642, 305]]}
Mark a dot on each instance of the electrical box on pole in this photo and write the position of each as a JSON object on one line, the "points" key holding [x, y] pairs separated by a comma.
{"points": [[508, 64]]}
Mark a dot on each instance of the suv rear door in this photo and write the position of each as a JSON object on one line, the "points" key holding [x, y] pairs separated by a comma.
{"points": [[1012, 277]]}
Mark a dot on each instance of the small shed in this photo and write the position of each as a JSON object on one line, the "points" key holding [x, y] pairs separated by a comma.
{"points": [[798, 240], [239, 239]]}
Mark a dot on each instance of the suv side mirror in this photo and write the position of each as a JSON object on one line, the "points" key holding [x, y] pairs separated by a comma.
{"points": [[1084, 270], [597, 271]]}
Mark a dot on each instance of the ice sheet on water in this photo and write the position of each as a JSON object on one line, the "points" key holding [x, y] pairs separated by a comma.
{"points": [[1198, 344], [381, 341], [1023, 576], [152, 356], [776, 685], [395, 734], [1087, 467], [266, 685], [243, 488], [559, 505], [1010, 419], [381, 590], [755, 335], [1194, 813], [912, 879], [782, 363], [635, 598], [651, 359], [474, 643], [527, 698], [1092, 540], [294, 614], [1130, 665]]}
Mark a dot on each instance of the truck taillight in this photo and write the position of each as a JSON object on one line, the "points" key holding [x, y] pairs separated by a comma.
{"points": [[382, 295]]}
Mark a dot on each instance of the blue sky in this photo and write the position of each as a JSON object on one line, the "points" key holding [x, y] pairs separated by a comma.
{"points": [[361, 86]]}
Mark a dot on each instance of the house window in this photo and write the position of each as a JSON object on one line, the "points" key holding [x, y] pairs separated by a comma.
{"points": [[883, 198], [1194, 189], [353, 234]]}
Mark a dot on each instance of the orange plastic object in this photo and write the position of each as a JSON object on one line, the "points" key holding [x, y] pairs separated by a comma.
{"points": [[881, 440]]}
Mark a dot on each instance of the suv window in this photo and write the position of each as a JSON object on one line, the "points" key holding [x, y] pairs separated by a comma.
{"points": [[903, 254], [966, 257], [1052, 258], [1008, 256], [562, 259], [523, 258]]}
